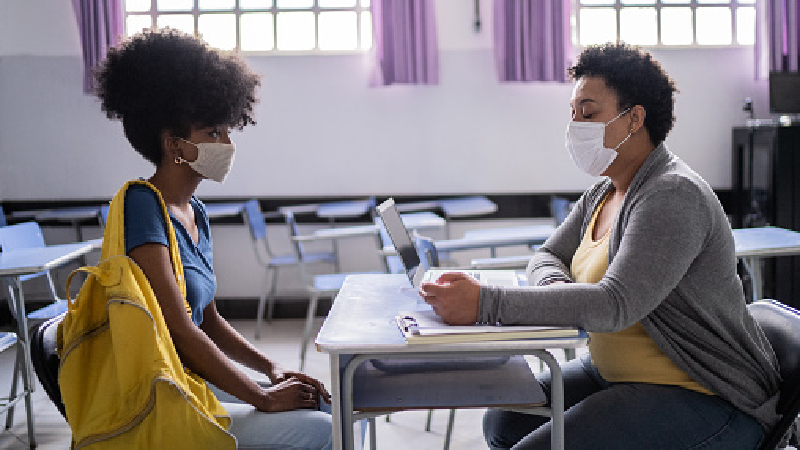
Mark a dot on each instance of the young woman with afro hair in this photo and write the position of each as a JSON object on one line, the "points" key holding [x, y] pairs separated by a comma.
{"points": [[177, 99]]}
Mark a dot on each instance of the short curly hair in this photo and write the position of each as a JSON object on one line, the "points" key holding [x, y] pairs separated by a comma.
{"points": [[636, 78], [168, 80]]}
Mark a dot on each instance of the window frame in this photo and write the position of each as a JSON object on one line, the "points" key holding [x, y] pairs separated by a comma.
{"points": [[617, 5], [274, 10]]}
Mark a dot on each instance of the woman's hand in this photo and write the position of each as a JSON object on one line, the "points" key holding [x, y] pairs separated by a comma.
{"points": [[289, 395], [278, 375], [454, 298]]}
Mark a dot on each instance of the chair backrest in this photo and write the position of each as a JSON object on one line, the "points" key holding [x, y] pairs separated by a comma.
{"points": [[44, 357], [294, 231], [781, 325], [559, 208], [255, 220], [426, 249], [103, 215], [2, 218], [21, 235]]}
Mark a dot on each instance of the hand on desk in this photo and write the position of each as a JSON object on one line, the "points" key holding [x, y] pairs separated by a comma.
{"points": [[454, 298]]}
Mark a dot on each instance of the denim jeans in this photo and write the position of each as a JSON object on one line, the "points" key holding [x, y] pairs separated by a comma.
{"points": [[302, 429], [603, 415]]}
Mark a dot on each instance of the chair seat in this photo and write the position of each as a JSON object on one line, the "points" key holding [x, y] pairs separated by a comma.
{"points": [[7, 339], [333, 282], [289, 260], [49, 311]]}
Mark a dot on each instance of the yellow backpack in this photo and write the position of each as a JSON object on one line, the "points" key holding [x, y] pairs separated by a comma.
{"points": [[121, 380]]}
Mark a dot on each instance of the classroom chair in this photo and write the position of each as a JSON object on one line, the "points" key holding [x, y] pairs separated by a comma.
{"points": [[9, 340], [2, 218], [271, 262], [323, 285], [781, 324], [29, 235]]}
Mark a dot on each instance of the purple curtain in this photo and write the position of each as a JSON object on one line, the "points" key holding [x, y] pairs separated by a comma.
{"points": [[777, 36], [100, 27], [405, 42], [532, 40]]}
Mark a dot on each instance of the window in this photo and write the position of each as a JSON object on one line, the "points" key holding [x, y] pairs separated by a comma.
{"points": [[666, 22], [261, 25]]}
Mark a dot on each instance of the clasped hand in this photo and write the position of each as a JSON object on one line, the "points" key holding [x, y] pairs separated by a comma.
{"points": [[293, 390], [453, 297]]}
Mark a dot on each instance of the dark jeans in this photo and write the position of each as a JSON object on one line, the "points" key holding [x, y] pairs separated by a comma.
{"points": [[602, 415]]}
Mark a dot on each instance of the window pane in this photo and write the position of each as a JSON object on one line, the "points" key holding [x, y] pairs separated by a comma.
{"points": [[598, 26], [137, 23], [296, 30], [216, 4], [365, 3], [638, 26], [675, 2], [174, 5], [597, 2], [257, 32], [219, 30], [748, 2], [676, 26], [255, 4], [295, 4], [366, 30], [638, 2], [746, 26], [713, 2], [137, 5], [336, 3], [183, 22], [714, 26], [337, 30]]}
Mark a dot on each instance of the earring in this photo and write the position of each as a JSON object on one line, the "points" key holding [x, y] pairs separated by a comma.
{"points": [[178, 160]]}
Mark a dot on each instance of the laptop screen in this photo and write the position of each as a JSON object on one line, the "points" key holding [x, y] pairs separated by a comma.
{"points": [[400, 237]]}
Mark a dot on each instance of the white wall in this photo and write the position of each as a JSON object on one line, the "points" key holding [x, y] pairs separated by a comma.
{"points": [[323, 131]]}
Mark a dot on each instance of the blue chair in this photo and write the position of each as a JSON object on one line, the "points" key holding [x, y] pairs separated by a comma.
{"points": [[2, 218], [559, 208], [325, 285], [271, 262], [29, 235]]}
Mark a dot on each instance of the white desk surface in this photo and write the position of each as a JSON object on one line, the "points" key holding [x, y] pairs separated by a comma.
{"points": [[766, 241], [33, 260], [362, 320], [346, 209], [71, 213], [497, 237], [412, 221], [229, 209], [467, 206]]}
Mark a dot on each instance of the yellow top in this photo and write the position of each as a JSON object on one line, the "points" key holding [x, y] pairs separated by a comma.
{"points": [[629, 355]]}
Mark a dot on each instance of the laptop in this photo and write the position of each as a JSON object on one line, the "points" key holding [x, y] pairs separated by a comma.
{"points": [[409, 256]]}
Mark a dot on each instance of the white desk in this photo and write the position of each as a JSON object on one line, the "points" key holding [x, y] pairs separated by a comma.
{"points": [[453, 207], [73, 215], [412, 221], [344, 210], [753, 244], [360, 326], [227, 209], [492, 238], [13, 265]]}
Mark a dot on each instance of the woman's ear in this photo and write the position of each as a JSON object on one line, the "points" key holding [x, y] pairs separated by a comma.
{"points": [[170, 146]]}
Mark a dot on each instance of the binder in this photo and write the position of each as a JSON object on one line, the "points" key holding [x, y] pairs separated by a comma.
{"points": [[425, 327]]}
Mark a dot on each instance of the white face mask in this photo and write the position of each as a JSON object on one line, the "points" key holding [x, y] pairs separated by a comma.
{"points": [[585, 145], [214, 159]]}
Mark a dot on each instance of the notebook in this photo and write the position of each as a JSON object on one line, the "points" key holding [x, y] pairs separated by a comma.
{"points": [[425, 327], [409, 256]]}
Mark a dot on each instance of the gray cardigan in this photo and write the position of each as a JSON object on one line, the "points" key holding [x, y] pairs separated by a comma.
{"points": [[672, 267]]}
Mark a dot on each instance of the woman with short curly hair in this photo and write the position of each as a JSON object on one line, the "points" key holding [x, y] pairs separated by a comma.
{"points": [[177, 98], [645, 263]]}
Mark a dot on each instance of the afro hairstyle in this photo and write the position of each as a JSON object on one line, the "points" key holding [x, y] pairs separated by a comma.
{"points": [[636, 78], [168, 80]]}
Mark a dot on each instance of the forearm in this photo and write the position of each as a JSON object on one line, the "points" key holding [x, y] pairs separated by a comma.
{"points": [[233, 344]]}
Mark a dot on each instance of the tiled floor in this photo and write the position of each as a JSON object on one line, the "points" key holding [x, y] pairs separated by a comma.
{"points": [[279, 340]]}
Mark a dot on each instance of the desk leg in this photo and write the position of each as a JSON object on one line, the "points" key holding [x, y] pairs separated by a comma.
{"points": [[336, 401], [753, 267], [27, 366], [556, 400]]}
